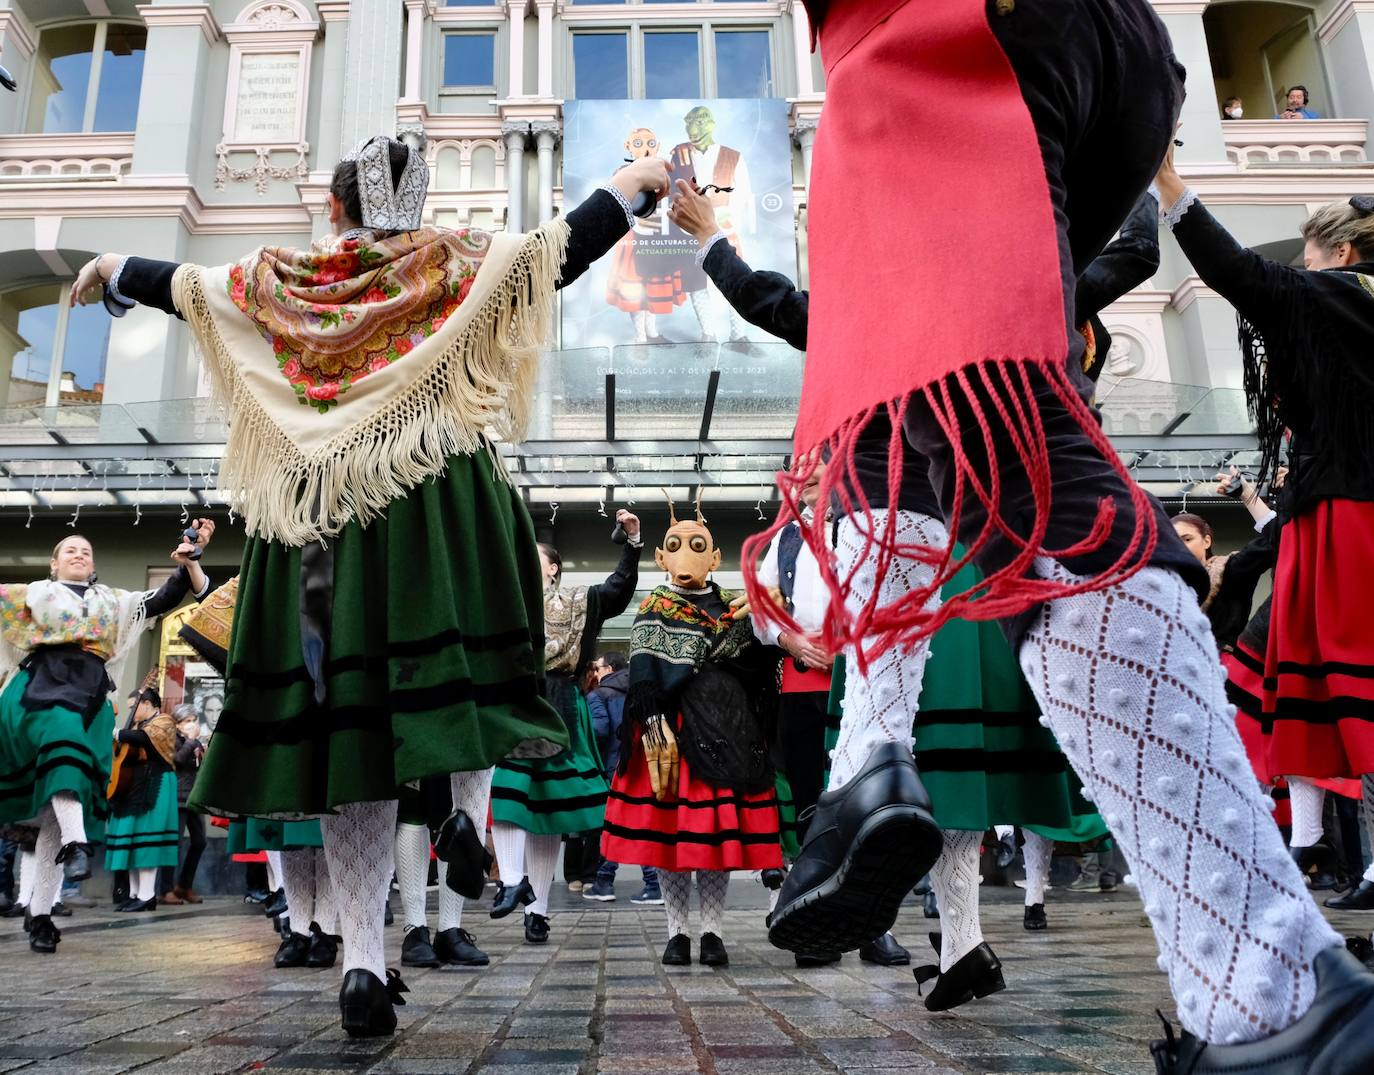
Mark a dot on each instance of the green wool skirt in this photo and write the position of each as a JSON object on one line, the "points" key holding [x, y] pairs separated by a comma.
{"points": [[433, 663], [555, 796], [49, 751], [140, 841], [250, 835]]}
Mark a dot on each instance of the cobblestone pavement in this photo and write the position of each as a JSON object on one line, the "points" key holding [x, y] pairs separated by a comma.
{"points": [[192, 991]]}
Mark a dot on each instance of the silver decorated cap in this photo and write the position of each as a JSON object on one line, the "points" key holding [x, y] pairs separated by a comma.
{"points": [[384, 207]]}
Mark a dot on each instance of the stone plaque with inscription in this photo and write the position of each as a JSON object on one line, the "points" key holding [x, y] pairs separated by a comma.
{"points": [[268, 105]]}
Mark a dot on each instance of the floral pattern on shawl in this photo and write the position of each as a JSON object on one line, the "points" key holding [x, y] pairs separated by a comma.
{"points": [[347, 308]]}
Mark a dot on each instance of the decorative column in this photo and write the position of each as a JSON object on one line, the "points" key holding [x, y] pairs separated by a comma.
{"points": [[415, 30], [515, 11], [515, 135], [806, 139], [546, 134], [545, 11], [334, 56], [801, 41], [172, 103], [375, 42], [1201, 119]]}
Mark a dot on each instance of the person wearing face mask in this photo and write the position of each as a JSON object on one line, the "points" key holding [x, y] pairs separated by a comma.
{"points": [[63, 643], [1232, 109]]}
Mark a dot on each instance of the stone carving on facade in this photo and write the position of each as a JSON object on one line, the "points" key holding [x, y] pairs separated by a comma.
{"points": [[262, 171]]}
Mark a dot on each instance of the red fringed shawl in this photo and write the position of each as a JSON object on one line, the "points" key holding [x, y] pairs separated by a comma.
{"points": [[900, 214]]}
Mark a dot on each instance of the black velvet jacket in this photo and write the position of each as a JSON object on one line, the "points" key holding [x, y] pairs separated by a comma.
{"points": [[1125, 263]]}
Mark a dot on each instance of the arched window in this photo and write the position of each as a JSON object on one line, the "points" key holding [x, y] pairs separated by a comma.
{"points": [[52, 354], [87, 77]]}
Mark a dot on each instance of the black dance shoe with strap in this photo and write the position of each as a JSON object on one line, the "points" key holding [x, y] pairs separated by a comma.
{"points": [[1035, 919], [458, 948], [43, 935], [324, 947], [459, 845], [292, 952], [885, 952], [536, 928], [976, 974], [509, 897], [275, 906], [75, 860], [678, 952], [368, 1005], [712, 951], [867, 844], [1334, 1037]]}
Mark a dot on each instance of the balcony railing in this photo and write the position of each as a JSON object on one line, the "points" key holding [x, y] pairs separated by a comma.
{"points": [[65, 157], [1322, 143]]}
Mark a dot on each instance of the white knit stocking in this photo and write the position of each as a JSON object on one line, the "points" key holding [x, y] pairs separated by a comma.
{"points": [[144, 880], [273, 870], [359, 841], [509, 843], [326, 917], [472, 795], [47, 873], [711, 889], [412, 871], [880, 707], [450, 908], [1038, 852], [541, 859], [955, 880], [1131, 684], [298, 878], [70, 818], [28, 872], [676, 887], [1307, 801]]}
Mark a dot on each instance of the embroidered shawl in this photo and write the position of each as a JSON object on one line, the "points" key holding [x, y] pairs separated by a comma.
{"points": [[103, 621], [352, 371], [565, 619], [208, 628]]}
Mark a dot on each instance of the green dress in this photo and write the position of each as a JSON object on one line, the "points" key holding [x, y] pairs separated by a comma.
{"points": [[148, 839], [434, 659], [247, 836]]}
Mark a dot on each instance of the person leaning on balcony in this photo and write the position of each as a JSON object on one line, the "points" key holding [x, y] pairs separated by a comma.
{"points": [[1232, 109], [1296, 105]]}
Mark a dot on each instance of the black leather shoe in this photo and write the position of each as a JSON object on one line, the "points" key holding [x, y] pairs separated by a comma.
{"points": [[977, 974], [817, 959], [536, 928], [458, 948], [885, 952], [867, 844], [137, 906], [460, 845], [324, 948], [28, 920], [678, 952], [1360, 898], [292, 952], [60, 910], [1035, 919], [368, 1006], [1004, 852], [1332, 1038], [275, 906], [15, 910], [509, 897], [416, 951], [75, 859], [772, 879], [43, 935], [930, 906], [712, 951], [387, 917]]}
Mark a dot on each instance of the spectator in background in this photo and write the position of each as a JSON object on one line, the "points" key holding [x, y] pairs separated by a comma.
{"points": [[606, 700], [1231, 108], [189, 751], [1298, 100]]}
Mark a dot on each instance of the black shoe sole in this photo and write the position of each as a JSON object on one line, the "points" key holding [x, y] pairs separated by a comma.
{"points": [[467, 962], [716, 961], [421, 962], [357, 1022], [895, 848], [982, 989], [687, 962]]}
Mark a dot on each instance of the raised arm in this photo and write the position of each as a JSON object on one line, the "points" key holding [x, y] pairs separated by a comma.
{"points": [[1125, 263], [131, 279], [603, 219], [616, 593]]}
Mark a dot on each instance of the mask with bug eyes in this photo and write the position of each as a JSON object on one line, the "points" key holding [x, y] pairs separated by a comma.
{"points": [[688, 554]]}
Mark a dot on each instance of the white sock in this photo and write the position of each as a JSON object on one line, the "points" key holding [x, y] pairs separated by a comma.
{"points": [[71, 820], [541, 859], [880, 707], [471, 792], [450, 908], [1006, 833], [273, 870], [955, 880], [676, 887], [509, 842], [298, 878], [1038, 853], [28, 873], [1131, 685], [711, 889], [412, 871], [146, 878], [1307, 801], [47, 874], [359, 841], [326, 917], [640, 318]]}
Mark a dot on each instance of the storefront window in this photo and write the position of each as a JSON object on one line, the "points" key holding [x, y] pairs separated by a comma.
{"points": [[55, 354]]}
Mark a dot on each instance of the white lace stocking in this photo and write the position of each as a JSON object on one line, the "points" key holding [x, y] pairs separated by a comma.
{"points": [[450, 906], [299, 878], [28, 872], [509, 843], [70, 818], [1038, 853], [880, 707], [274, 881], [47, 874], [326, 917], [144, 880], [676, 887], [359, 840], [541, 859], [412, 872], [711, 889], [1307, 801], [955, 880], [472, 795], [1130, 680]]}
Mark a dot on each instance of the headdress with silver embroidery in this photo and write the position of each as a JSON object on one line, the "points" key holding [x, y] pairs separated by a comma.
{"points": [[388, 208]]}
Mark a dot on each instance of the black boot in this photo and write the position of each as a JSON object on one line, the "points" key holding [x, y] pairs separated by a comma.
{"points": [[712, 951], [536, 928], [76, 860], [867, 844], [509, 897], [276, 904], [1035, 919], [43, 935], [292, 952], [324, 948], [1360, 898], [460, 845], [977, 974], [368, 1005], [885, 952], [416, 951], [458, 948], [678, 952], [1332, 1038]]}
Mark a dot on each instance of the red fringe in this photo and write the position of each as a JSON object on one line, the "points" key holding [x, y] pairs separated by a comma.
{"points": [[874, 629]]}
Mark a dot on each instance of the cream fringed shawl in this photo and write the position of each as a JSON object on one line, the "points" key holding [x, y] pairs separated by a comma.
{"points": [[350, 373]]}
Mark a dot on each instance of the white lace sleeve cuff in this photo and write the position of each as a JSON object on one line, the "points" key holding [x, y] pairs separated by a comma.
{"points": [[624, 204], [113, 284], [701, 254], [1171, 216]]}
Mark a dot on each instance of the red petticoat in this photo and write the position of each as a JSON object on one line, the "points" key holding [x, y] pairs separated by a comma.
{"points": [[704, 828], [1310, 712]]}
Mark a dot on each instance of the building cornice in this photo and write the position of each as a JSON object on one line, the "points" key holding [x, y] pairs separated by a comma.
{"points": [[682, 12], [1341, 14], [1142, 301], [1189, 291], [332, 10], [182, 15], [15, 30], [1179, 7]]}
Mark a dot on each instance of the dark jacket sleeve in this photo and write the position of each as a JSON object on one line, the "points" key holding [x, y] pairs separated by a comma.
{"points": [[596, 225], [766, 299], [137, 736], [1126, 262], [149, 282], [186, 752], [172, 593], [615, 594], [601, 718]]}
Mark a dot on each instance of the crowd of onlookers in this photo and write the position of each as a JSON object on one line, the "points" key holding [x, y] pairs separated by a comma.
{"points": [[1297, 104]]}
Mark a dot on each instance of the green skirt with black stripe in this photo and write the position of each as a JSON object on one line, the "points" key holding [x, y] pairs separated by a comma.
{"points": [[247, 836], [433, 662], [49, 751], [141, 841], [555, 796]]}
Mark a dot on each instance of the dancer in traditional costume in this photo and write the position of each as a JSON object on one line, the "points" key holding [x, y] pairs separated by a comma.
{"points": [[63, 642], [535, 803], [694, 793], [143, 832], [1098, 595], [388, 624]]}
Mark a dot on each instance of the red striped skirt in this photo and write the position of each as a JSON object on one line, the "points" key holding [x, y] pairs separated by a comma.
{"points": [[632, 291], [704, 828]]}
